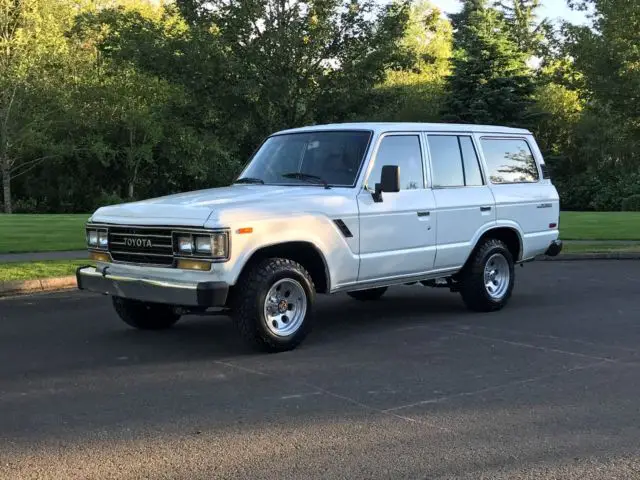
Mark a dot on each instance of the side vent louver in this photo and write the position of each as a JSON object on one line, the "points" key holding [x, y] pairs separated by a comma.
{"points": [[343, 228]]}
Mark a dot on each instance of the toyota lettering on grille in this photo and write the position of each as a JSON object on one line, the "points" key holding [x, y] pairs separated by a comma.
{"points": [[137, 242]]}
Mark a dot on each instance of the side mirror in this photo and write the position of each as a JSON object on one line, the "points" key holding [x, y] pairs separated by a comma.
{"points": [[389, 182]]}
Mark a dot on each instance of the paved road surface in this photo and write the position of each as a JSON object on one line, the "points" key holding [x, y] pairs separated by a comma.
{"points": [[409, 387]]}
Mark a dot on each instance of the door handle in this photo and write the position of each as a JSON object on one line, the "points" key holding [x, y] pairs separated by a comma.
{"points": [[545, 205], [424, 214], [485, 209]]}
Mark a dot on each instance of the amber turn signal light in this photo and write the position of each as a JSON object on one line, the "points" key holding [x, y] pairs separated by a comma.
{"points": [[193, 265], [99, 257]]}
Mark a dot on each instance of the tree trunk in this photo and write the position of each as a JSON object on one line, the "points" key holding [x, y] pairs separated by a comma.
{"points": [[6, 188], [130, 192]]}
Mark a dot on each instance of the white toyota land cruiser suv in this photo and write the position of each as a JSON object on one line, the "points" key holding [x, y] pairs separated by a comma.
{"points": [[349, 208]]}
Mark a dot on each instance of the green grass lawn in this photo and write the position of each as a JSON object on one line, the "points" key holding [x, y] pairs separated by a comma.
{"points": [[600, 225], [33, 270], [42, 233], [600, 248]]}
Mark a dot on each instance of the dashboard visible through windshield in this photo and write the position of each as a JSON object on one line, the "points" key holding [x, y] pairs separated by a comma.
{"points": [[323, 158]]}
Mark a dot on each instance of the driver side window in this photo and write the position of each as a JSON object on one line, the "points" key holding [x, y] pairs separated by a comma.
{"points": [[405, 152]]}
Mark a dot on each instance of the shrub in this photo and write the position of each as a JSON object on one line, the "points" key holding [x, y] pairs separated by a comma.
{"points": [[26, 205], [631, 204], [108, 198]]}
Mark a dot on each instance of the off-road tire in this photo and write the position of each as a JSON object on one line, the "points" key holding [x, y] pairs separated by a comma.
{"points": [[249, 299], [145, 315], [471, 279], [369, 294]]}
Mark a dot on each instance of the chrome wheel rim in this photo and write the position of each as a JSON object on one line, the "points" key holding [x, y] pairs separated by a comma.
{"points": [[497, 276], [285, 307]]}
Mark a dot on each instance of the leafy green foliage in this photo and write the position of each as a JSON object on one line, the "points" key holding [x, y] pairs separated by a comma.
{"points": [[415, 93], [34, 59], [631, 204], [490, 82], [103, 101], [272, 64], [526, 29]]}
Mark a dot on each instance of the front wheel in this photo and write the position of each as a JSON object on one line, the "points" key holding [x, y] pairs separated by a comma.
{"points": [[145, 315], [273, 305], [487, 281]]}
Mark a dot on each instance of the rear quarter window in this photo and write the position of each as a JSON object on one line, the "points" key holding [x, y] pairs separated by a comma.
{"points": [[509, 160]]}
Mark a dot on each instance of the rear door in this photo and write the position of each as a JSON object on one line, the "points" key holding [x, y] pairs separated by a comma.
{"points": [[524, 197], [464, 202]]}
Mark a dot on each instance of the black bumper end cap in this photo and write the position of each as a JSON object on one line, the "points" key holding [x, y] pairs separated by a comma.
{"points": [[212, 294], [554, 249]]}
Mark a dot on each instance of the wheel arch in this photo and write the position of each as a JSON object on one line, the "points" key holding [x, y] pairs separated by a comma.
{"points": [[510, 235], [303, 252]]}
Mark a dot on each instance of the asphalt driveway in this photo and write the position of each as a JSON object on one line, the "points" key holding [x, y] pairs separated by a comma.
{"points": [[412, 386]]}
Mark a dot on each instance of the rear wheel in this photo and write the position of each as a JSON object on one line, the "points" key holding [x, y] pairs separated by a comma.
{"points": [[368, 295], [145, 315], [273, 305], [487, 281]]}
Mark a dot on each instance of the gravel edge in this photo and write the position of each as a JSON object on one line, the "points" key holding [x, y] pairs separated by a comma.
{"points": [[26, 287]]}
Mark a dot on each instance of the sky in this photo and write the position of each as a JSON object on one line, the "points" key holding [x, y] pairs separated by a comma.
{"points": [[552, 9]]}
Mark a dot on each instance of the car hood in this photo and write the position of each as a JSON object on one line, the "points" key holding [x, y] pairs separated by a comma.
{"points": [[195, 208]]}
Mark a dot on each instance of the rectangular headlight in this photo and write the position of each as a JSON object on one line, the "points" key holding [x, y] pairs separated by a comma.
{"points": [[103, 239], [185, 244], [92, 238], [203, 244]]}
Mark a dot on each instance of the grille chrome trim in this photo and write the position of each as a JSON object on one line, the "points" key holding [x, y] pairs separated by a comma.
{"points": [[117, 234], [142, 254], [170, 247]]}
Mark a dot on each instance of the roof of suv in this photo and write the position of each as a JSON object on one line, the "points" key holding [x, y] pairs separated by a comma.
{"points": [[404, 127]]}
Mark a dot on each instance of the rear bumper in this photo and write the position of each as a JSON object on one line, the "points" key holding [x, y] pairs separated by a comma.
{"points": [[554, 249], [201, 294]]}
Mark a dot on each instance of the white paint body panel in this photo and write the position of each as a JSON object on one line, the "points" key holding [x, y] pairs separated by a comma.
{"points": [[394, 239], [460, 217], [390, 241], [528, 207]]}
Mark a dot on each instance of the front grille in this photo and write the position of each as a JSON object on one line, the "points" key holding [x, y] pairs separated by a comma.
{"points": [[141, 245]]}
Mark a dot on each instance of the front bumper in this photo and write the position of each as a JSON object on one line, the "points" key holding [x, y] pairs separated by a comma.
{"points": [[554, 249], [201, 294]]}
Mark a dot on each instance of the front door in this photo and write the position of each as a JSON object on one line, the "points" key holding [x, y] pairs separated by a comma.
{"points": [[397, 235]]}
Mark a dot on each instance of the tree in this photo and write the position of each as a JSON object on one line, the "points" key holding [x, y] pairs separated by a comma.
{"points": [[415, 93], [608, 56], [32, 48], [490, 82], [256, 66], [527, 30]]}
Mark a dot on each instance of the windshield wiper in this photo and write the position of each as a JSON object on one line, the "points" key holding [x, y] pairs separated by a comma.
{"points": [[249, 180], [306, 177]]}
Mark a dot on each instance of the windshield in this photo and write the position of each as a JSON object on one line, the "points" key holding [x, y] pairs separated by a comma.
{"points": [[322, 158]]}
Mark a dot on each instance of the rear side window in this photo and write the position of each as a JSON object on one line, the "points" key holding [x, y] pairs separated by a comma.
{"points": [[454, 161], [509, 160]]}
